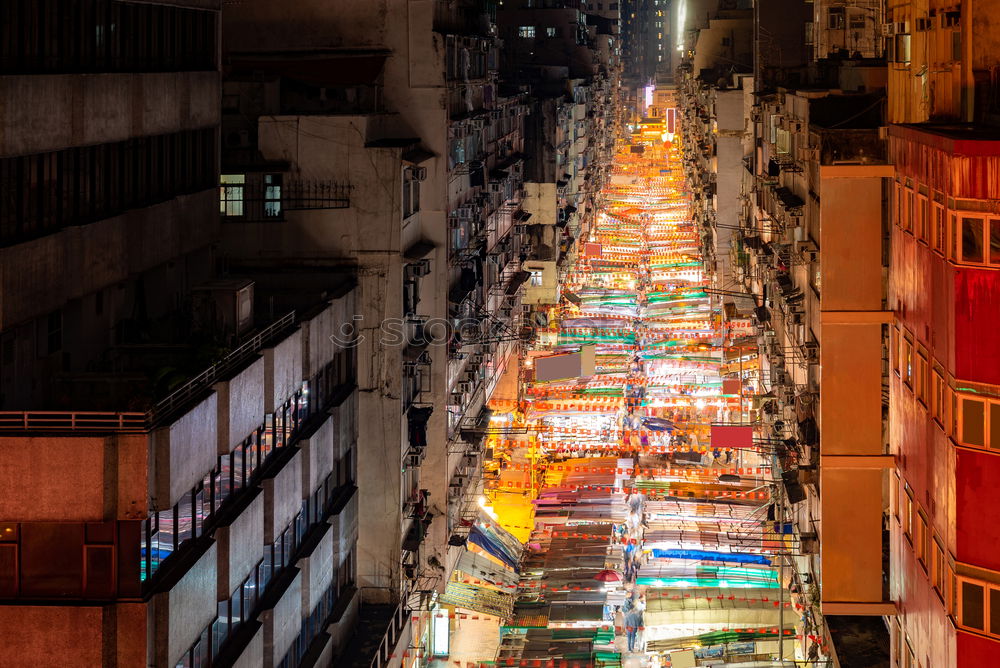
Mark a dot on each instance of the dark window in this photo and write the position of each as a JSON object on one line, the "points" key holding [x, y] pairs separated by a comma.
{"points": [[50, 559], [45, 192], [53, 36], [972, 239], [835, 18], [994, 240], [972, 605]]}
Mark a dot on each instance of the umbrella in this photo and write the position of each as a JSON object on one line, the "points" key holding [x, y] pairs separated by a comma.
{"points": [[608, 576]]}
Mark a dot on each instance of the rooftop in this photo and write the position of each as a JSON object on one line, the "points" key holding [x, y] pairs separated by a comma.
{"points": [[972, 139]]}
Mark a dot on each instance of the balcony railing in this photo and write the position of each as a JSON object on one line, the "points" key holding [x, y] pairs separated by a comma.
{"points": [[164, 409], [72, 421]]}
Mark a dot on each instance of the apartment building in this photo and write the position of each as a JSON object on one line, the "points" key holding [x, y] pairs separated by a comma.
{"points": [[797, 235], [216, 526], [573, 76], [189, 494], [108, 161], [382, 129], [943, 392]]}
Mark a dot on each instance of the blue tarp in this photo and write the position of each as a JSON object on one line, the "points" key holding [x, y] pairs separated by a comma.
{"points": [[478, 537], [703, 555]]}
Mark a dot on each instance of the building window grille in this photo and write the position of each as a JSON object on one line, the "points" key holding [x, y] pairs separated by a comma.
{"points": [[526, 31], [231, 189], [272, 195]]}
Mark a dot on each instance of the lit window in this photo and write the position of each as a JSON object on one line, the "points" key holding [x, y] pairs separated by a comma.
{"points": [[231, 194], [536, 278], [526, 31], [272, 195], [550, 32]]}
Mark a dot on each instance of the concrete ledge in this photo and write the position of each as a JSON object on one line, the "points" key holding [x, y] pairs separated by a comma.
{"points": [[855, 317], [856, 171], [858, 461], [880, 608]]}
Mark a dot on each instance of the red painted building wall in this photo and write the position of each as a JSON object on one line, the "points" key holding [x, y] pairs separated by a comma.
{"points": [[950, 313], [977, 325]]}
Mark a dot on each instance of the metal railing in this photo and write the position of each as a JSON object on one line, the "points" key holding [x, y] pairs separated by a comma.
{"points": [[183, 394], [392, 634], [72, 421], [161, 410]]}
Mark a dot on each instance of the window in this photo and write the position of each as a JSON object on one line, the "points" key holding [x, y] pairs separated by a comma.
{"points": [[535, 279], [940, 568], [907, 512], [900, 214], [526, 31], [922, 217], [907, 369], [971, 606], [911, 210], [973, 422], [994, 231], [894, 351], [411, 191], [76, 186], [272, 196], [857, 21], [921, 379], [939, 228], [231, 194], [52, 37], [835, 18], [972, 240], [550, 32], [920, 537], [902, 49]]}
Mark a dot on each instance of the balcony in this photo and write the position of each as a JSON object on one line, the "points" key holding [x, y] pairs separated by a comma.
{"points": [[264, 198]]}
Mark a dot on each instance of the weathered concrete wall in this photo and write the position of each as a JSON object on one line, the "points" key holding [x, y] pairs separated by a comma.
{"points": [[184, 452], [282, 371], [84, 109], [241, 405], [282, 498]]}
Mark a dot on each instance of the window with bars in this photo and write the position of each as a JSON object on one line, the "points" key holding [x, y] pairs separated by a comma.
{"points": [[45, 192], [53, 36]]}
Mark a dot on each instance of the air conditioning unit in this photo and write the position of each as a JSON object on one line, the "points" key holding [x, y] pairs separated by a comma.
{"points": [[238, 139], [807, 249], [422, 268], [888, 29], [810, 350], [420, 173], [457, 398]]}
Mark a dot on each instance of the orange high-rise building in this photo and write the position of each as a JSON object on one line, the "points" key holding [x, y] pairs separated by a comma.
{"points": [[945, 343]]}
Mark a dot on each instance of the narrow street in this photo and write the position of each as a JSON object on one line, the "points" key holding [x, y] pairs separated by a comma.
{"points": [[646, 543]]}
